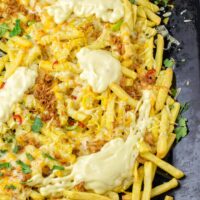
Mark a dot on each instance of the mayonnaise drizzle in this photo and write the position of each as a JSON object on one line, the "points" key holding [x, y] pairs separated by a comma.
{"points": [[14, 89], [107, 10], [107, 169], [99, 68]]}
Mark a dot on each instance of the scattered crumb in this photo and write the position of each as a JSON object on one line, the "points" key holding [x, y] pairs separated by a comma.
{"points": [[187, 20], [184, 11]]}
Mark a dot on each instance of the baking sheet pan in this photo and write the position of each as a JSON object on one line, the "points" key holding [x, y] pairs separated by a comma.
{"points": [[186, 154]]}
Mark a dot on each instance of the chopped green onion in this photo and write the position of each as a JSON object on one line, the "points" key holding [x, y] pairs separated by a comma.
{"points": [[37, 125], [17, 29], [29, 156], [25, 168], [56, 167], [10, 187], [169, 63], [116, 27], [5, 165], [46, 155], [16, 149]]}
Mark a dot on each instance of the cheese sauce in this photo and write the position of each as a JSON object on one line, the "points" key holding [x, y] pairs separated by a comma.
{"points": [[99, 68], [107, 169], [107, 10], [15, 87]]}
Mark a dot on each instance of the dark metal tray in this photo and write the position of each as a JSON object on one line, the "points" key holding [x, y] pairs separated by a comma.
{"points": [[186, 154]]}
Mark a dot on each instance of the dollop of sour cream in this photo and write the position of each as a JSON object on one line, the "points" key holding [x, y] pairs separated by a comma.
{"points": [[99, 68], [107, 169], [107, 10], [15, 87]]}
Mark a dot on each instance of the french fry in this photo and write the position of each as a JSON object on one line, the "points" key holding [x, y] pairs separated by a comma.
{"points": [[152, 16], [84, 196], [164, 88], [129, 73], [158, 190], [174, 114], [119, 92], [137, 184], [173, 183], [148, 4], [163, 137], [163, 165], [147, 181], [159, 53], [168, 198]]}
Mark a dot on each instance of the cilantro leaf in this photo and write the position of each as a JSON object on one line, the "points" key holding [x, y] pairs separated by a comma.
{"points": [[181, 131], [29, 156], [17, 30], [57, 167], [5, 165], [169, 63], [3, 29], [37, 125], [184, 108], [46, 155], [25, 168], [10, 187], [116, 27]]}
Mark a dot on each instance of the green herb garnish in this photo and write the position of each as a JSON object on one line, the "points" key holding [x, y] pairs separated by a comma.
{"points": [[46, 155], [169, 63], [57, 167], [10, 187], [25, 168], [5, 165], [29, 156], [17, 29], [116, 27], [16, 149], [3, 29], [181, 130], [37, 125]]}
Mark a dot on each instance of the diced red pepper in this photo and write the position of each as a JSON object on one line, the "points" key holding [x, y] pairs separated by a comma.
{"points": [[150, 76], [80, 124], [2, 85], [55, 62], [18, 119]]}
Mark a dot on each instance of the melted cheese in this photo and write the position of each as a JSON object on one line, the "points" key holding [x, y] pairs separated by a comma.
{"points": [[14, 89], [99, 68], [107, 10], [107, 169]]}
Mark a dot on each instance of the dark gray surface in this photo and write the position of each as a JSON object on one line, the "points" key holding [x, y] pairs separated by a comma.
{"points": [[186, 154]]}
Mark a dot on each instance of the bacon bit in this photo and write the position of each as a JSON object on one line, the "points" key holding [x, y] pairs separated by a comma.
{"points": [[150, 76], [80, 124], [18, 119], [2, 85], [74, 97], [95, 146], [71, 121], [55, 62], [80, 187]]}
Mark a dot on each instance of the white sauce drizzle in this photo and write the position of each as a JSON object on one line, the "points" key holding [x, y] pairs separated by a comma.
{"points": [[14, 89], [99, 68], [107, 169], [108, 10]]}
